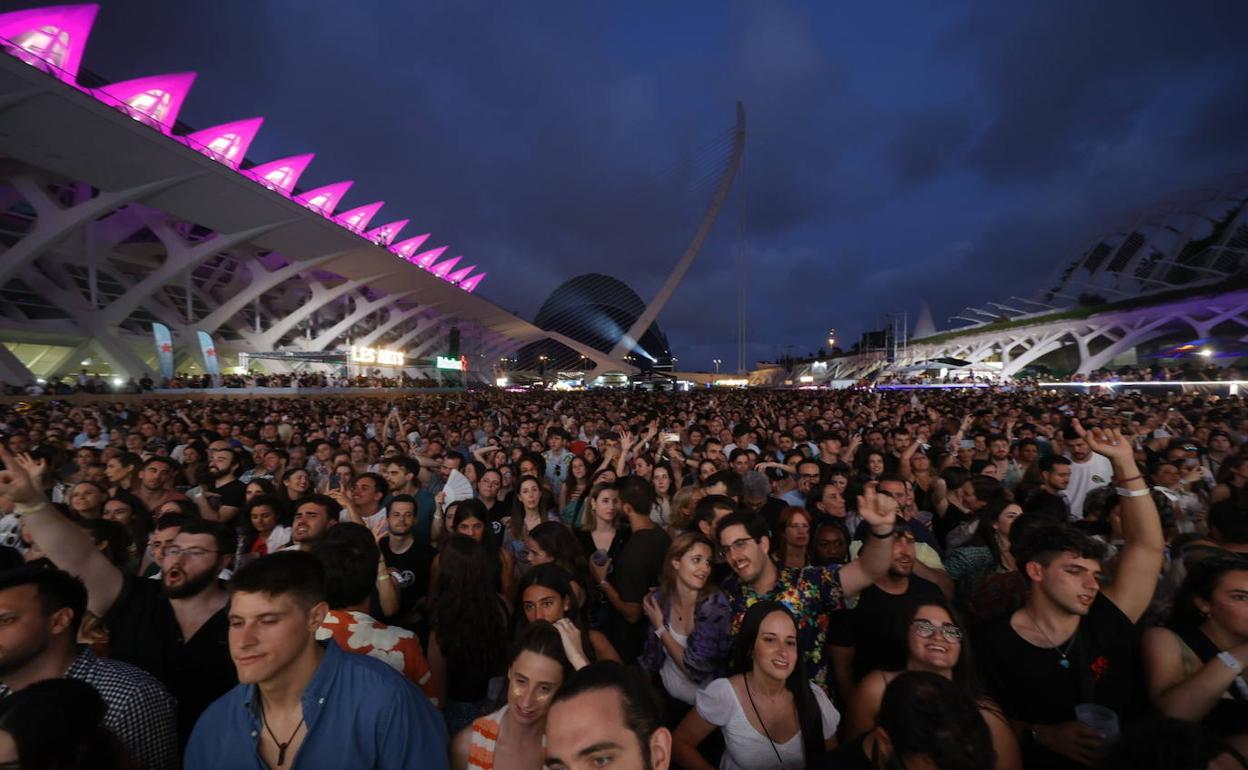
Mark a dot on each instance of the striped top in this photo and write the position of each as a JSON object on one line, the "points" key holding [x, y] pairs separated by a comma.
{"points": [[484, 737], [485, 732]]}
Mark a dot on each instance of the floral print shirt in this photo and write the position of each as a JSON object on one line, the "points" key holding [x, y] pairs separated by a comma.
{"points": [[812, 594], [395, 646]]}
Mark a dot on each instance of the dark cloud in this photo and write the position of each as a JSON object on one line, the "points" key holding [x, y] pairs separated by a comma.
{"points": [[1061, 79], [929, 143], [960, 158]]}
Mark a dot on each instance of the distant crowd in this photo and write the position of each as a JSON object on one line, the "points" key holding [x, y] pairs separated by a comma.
{"points": [[736, 579]]}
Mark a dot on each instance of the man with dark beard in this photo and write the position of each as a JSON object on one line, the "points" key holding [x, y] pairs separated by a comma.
{"points": [[176, 630], [222, 498]]}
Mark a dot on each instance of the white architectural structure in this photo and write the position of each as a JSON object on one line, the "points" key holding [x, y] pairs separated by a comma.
{"points": [[113, 217]]}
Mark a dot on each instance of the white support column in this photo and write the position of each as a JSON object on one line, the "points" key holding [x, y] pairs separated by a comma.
{"points": [[1132, 336], [55, 222], [180, 257], [395, 318], [362, 309], [420, 328], [12, 370], [262, 281], [268, 339]]}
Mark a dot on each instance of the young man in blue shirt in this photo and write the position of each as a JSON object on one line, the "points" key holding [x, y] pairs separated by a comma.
{"points": [[300, 700]]}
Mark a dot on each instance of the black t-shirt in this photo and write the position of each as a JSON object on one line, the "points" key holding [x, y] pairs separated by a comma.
{"points": [[494, 514], [144, 631], [618, 541], [233, 494], [411, 570], [1032, 685], [596, 608], [635, 572], [876, 628], [943, 525]]}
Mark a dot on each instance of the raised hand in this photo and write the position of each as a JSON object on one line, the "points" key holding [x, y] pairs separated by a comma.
{"points": [[34, 468], [1108, 442], [879, 511], [16, 482], [654, 613], [570, 635]]}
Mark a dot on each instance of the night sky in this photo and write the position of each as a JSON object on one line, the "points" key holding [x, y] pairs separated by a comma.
{"points": [[956, 152]]}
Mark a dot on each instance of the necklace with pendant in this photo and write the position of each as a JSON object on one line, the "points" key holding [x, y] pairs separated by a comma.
{"points": [[1065, 661]]}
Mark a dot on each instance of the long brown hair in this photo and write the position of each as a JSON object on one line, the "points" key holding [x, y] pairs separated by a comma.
{"points": [[589, 520], [679, 547], [778, 545]]}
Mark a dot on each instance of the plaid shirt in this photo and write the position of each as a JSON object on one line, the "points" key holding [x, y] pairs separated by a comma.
{"points": [[141, 713]]}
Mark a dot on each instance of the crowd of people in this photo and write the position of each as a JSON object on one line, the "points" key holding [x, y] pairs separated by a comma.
{"points": [[97, 384], [741, 579]]}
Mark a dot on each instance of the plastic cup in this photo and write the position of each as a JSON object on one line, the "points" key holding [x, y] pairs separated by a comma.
{"points": [[1099, 718]]}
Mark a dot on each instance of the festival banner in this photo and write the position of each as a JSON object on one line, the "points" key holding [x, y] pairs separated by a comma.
{"points": [[164, 349], [211, 365]]}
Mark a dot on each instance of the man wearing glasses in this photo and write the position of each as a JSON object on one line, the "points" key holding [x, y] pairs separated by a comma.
{"points": [[811, 593], [808, 475], [176, 630]]}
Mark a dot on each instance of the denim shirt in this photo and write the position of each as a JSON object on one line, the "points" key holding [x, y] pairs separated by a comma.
{"points": [[359, 713]]}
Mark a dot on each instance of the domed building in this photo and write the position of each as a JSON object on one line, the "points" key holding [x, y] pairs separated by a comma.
{"points": [[596, 310]]}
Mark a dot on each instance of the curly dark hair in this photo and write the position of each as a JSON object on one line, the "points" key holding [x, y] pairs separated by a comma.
{"points": [[926, 715], [467, 615]]}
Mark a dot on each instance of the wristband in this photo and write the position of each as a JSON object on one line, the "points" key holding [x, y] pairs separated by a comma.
{"points": [[1145, 492], [383, 578], [1231, 662], [1136, 477], [658, 632], [884, 536], [21, 509]]}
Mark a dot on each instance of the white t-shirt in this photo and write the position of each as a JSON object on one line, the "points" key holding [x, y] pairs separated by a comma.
{"points": [[1085, 477], [745, 747]]}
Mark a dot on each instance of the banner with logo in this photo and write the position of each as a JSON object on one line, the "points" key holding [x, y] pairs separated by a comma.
{"points": [[164, 350], [211, 365]]}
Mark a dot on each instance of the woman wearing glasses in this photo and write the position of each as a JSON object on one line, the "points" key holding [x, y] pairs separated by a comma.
{"points": [[937, 644]]}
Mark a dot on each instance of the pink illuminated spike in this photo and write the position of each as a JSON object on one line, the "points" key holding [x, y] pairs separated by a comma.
{"points": [[426, 259], [155, 101], [471, 284], [460, 275], [325, 199], [406, 249], [358, 218], [226, 143], [51, 38], [442, 268], [281, 175], [384, 235]]}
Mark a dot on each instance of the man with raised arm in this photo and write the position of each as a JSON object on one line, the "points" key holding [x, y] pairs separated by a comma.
{"points": [[1074, 642], [176, 628]]}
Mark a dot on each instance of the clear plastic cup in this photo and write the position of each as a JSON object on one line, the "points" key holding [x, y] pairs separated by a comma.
{"points": [[1099, 718]]}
